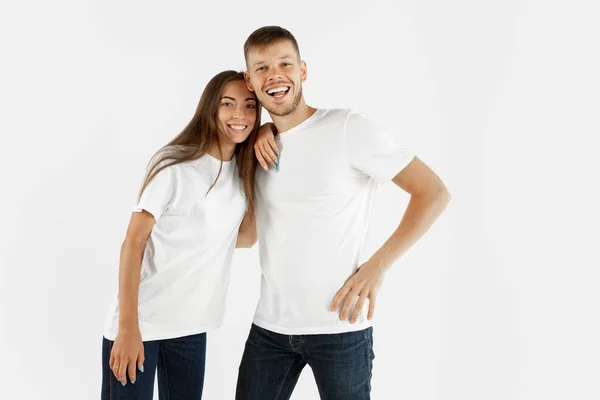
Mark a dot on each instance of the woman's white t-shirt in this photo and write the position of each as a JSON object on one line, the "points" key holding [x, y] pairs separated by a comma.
{"points": [[185, 265]]}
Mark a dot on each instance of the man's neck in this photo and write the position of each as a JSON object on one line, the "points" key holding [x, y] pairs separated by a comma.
{"points": [[298, 116]]}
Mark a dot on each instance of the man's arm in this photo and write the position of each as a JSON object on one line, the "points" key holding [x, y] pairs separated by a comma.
{"points": [[428, 198]]}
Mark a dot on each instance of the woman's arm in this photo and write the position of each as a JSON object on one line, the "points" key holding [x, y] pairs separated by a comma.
{"points": [[140, 227], [128, 349], [247, 235], [265, 148]]}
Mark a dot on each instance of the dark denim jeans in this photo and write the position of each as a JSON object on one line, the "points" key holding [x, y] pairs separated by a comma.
{"points": [[271, 365], [180, 364]]}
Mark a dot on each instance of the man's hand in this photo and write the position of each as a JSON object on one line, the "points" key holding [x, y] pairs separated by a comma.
{"points": [[365, 284], [265, 148]]}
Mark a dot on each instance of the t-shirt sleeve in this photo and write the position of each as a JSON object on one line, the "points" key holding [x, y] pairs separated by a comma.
{"points": [[158, 194], [374, 150]]}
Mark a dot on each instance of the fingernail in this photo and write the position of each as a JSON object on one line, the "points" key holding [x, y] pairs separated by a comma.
{"points": [[132, 381], [142, 368], [275, 167], [278, 154], [122, 384], [277, 162]]}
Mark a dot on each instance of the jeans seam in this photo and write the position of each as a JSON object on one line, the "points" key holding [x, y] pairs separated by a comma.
{"points": [[285, 376], [369, 358], [166, 375], [110, 396]]}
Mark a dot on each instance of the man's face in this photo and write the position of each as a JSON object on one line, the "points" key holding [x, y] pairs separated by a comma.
{"points": [[275, 74]]}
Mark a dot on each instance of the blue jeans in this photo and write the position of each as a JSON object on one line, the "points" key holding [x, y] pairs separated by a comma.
{"points": [[180, 364], [271, 365]]}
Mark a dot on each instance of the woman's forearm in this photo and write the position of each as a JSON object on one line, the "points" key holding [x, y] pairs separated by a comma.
{"points": [[129, 283]]}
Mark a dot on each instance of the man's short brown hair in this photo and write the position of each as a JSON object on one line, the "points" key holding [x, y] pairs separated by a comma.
{"points": [[268, 35]]}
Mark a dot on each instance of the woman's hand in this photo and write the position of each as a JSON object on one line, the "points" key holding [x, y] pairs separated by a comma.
{"points": [[265, 148], [126, 354]]}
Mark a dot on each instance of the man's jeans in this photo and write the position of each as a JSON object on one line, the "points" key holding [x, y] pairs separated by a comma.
{"points": [[271, 365]]}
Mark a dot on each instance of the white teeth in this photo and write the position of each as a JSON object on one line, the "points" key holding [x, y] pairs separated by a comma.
{"points": [[238, 127], [279, 89]]}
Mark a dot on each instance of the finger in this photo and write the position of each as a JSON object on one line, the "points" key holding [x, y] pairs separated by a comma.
{"points": [[121, 373], [358, 307], [267, 154], [114, 366], [339, 296], [140, 360], [111, 359], [131, 370], [260, 158], [348, 303], [273, 146], [268, 147], [372, 299]]}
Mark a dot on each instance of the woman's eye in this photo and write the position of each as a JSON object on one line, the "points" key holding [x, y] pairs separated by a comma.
{"points": [[260, 69], [251, 106], [227, 104]]}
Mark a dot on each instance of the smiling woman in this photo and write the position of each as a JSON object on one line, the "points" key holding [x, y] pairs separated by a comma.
{"points": [[197, 197], [237, 114], [224, 100]]}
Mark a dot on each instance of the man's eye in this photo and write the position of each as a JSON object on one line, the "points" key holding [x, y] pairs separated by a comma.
{"points": [[261, 68]]}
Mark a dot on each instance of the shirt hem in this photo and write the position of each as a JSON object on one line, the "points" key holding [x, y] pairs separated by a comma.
{"points": [[329, 329], [170, 335]]}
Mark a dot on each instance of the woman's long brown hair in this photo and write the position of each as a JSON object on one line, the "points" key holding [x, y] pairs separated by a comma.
{"points": [[200, 135]]}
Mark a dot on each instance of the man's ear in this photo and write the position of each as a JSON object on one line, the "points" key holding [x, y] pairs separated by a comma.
{"points": [[303, 70], [247, 80]]}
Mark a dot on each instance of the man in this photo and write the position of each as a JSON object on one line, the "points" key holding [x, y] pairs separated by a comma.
{"points": [[312, 213]]}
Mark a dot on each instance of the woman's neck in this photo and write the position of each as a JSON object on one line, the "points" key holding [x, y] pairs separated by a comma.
{"points": [[227, 150]]}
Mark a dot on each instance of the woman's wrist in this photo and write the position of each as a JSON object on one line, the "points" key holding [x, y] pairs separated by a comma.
{"points": [[128, 325]]}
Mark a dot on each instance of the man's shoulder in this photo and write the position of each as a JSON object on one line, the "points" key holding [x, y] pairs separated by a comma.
{"points": [[337, 112], [335, 115]]}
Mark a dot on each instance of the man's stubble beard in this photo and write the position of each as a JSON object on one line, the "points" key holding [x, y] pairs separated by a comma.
{"points": [[288, 110]]}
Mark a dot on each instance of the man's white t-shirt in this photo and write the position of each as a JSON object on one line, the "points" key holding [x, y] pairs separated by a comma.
{"points": [[312, 217], [185, 265]]}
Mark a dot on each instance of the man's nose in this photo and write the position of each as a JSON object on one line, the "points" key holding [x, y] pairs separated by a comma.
{"points": [[275, 74]]}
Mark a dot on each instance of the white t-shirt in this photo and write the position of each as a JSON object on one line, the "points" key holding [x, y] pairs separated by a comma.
{"points": [[312, 217], [185, 265]]}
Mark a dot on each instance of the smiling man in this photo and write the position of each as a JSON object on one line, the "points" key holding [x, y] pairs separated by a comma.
{"points": [[312, 211]]}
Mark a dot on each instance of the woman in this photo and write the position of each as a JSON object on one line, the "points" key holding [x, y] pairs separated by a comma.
{"points": [[195, 206]]}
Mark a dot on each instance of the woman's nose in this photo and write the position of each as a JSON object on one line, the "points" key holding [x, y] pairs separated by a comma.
{"points": [[238, 113]]}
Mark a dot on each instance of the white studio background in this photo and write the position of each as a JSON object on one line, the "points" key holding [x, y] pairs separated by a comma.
{"points": [[498, 301]]}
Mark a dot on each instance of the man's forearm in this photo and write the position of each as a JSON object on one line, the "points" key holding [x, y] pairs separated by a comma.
{"points": [[422, 211]]}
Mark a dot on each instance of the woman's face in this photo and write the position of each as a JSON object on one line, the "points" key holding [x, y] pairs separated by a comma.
{"points": [[237, 113]]}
